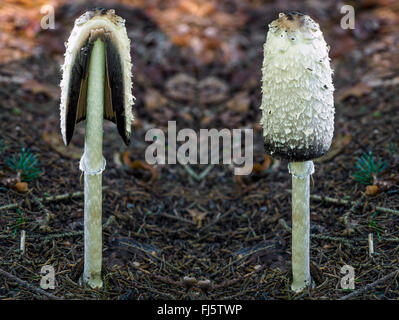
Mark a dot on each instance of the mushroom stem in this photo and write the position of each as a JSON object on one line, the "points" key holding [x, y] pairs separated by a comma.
{"points": [[301, 172], [92, 164]]}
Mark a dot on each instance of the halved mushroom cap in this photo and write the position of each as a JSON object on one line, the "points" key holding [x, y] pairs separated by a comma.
{"points": [[118, 98], [297, 102]]}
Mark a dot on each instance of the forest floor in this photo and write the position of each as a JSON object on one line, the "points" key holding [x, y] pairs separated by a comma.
{"points": [[200, 65]]}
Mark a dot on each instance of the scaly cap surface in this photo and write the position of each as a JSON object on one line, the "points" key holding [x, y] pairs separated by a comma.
{"points": [[297, 102]]}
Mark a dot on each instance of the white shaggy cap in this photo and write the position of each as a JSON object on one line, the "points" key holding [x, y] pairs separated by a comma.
{"points": [[297, 103], [118, 98]]}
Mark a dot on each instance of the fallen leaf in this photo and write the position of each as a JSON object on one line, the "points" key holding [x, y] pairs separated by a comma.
{"points": [[36, 87], [212, 90], [21, 186], [139, 165], [239, 103], [196, 8], [54, 140], [156, 106], [181, 87], [372, 190], [356, 91], [338, 145], [153, 100], [197, 216], [181, 40], [260, 167]]}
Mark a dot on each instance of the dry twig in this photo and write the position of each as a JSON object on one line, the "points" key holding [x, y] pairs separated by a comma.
{"points": [[348, 203], [28, 286], [48, 199], [370, 286]]}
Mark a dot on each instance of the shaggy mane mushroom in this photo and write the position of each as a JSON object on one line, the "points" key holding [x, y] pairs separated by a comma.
{"points": [[297, 116], [96, 85]]}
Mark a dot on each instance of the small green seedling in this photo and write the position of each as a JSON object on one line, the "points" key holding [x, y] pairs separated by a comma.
{"points": [[25, 164], [369, 168]]}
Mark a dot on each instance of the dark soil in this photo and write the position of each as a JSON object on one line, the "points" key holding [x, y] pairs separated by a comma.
{"points": [[161, 224]]}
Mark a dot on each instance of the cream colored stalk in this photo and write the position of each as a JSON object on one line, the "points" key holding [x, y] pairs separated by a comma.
{"points": [[300, 172], [92, 165]]}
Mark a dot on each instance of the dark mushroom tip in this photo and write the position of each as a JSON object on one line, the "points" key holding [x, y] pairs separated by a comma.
{"points": [[292, 14], [101, 10], [293, 21]]}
